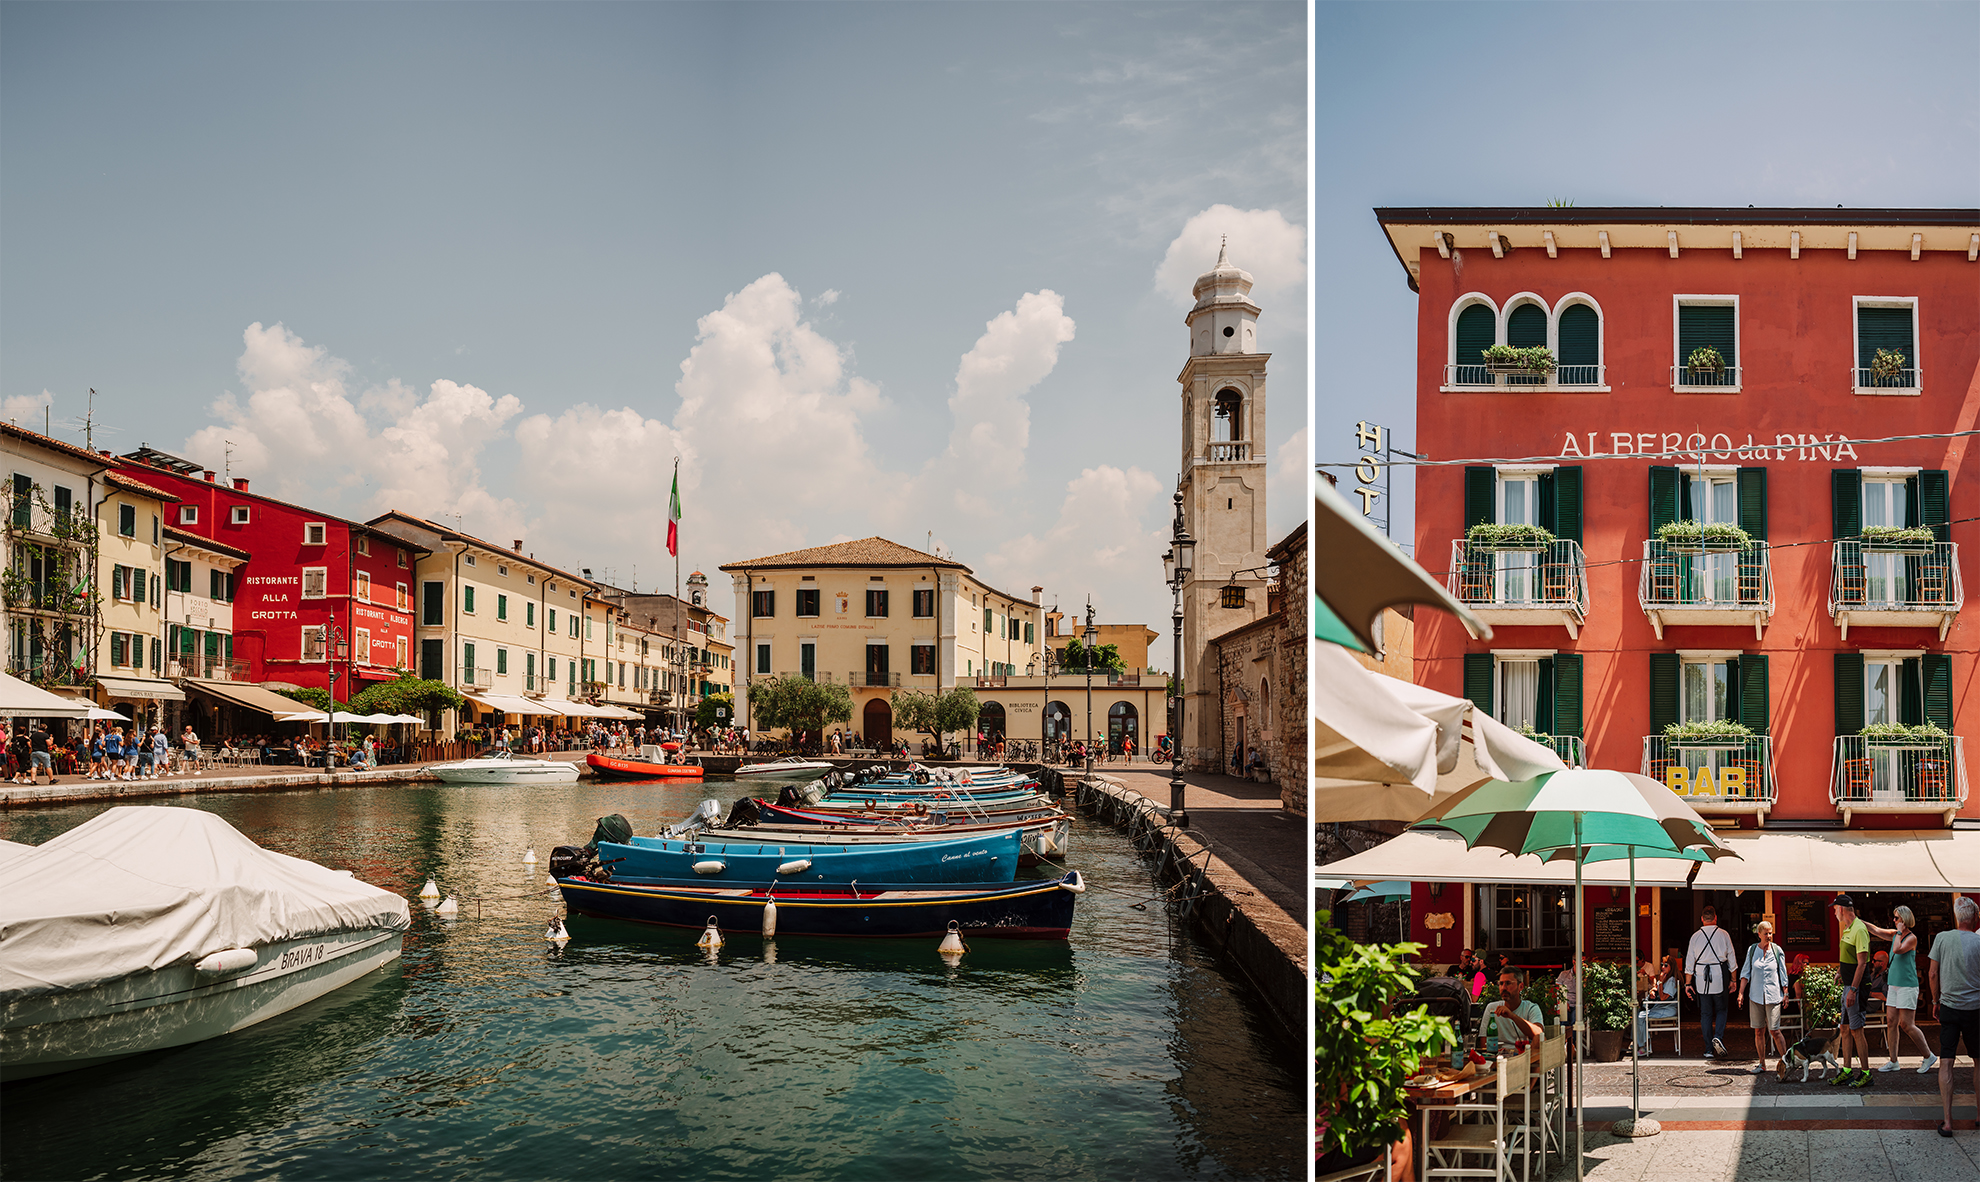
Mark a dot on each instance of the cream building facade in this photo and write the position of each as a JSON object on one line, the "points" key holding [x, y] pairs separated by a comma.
{"points": [[201, 576], [130, 565], [47, 598], [666, 654]]}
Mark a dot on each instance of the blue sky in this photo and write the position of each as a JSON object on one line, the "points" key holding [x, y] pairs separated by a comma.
{"points": [[1606, 104], [892, 269]]}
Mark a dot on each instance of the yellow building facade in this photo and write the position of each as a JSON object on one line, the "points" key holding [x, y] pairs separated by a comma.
{"points": [[130, 563]]}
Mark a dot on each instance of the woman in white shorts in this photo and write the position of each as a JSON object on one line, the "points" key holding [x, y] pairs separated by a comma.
{"points": [[1901, 989], [1763, 985]]}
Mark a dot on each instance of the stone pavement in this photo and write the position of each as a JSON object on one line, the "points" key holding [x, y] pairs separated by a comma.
{"points": [[1241, 821], [1777, 1155]]}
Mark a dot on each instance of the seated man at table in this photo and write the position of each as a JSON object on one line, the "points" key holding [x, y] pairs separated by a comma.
{"points": [[1512, 1018]]}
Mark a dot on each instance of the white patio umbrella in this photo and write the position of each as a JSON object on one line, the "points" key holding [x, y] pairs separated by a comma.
{"points": [[1360, 572]]}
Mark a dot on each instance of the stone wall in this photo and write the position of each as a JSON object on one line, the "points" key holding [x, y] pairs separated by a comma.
{"points": [[1294, 634]]}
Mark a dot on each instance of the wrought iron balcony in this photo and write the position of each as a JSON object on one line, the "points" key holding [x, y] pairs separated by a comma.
{"points": [[1899, 775], [1563, 377], [1542, 583], [1696, 584], [1865, 380], [873, 679], [1683, 377], [1568, 747], [1895, 585], [1725, 776], [207, 668], [481, 678]]}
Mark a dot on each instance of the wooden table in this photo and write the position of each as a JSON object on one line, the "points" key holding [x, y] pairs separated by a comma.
{"points": [[1443, 1094]]}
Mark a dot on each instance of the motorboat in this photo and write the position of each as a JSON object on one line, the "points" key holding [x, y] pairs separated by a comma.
{"points": [[505, 767], [149, 927], [790, 768], [652, 763], [1043, 837], [980, 857]]}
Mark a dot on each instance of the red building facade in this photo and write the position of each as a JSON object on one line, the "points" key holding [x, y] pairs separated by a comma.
{"points": [[1674, 526], [323, 603]]}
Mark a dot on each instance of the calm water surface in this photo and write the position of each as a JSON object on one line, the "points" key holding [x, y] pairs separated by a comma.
{"points": [[1125, 1053]]}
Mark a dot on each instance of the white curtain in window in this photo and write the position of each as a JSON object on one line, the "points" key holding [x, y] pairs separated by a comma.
{"points": [[1520, 681]]}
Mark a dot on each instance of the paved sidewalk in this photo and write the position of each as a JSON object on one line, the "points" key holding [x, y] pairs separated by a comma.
{"points": [[1242, 822], [1796, 1155]]}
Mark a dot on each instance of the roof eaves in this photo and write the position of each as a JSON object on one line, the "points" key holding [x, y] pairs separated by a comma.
{"points": [[48, 441], [137, 486]]}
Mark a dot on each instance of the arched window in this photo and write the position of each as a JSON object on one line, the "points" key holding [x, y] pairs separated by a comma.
{"points": [[1058, 721], [1123, 722], [1227, 419], [1580, 333], [1477, 331]]}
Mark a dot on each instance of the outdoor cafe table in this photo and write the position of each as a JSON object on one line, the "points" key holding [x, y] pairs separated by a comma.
{"points": [[1433, 1098]]}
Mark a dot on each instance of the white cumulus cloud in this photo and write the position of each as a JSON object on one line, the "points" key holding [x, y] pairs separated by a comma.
{"points": [[992, 420], [1262, 242]]}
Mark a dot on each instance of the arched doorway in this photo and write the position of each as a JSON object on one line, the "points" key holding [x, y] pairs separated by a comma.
{"points": [[990, 720], [878, 722], [1058, 722], [1123, 722]]}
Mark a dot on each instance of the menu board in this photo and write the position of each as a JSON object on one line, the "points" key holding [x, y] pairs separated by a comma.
{"points": [[1612, 932], [1804, 923]]}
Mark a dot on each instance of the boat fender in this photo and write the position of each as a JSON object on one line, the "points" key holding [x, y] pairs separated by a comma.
{"points": [[769, 918], [711, 937], [449, 907], [227, 961], [1073, 882], [429, 891], [952, 942], [529, 858], [797, 867], [711, 866], [555, 933]]}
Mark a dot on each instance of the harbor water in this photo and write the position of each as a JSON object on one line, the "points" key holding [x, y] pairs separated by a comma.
{"points": [[1127, 1052]]}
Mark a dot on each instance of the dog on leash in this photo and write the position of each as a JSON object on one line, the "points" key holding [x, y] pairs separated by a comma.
{"points": [[1818, 1048]]}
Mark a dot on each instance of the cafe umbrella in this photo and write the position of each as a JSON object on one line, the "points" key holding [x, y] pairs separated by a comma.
{"points": [[1568, 812]]}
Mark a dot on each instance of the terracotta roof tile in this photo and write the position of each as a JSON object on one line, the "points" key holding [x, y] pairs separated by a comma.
{"points": [[138, 486], [874, 551]]}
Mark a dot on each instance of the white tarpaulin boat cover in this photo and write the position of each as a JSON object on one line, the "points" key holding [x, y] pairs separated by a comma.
{"points": [[140, 888]]}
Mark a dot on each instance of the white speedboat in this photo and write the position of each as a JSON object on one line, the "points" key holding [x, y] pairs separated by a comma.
{"points": [[788, 769], [153, 927], [502, 767]]}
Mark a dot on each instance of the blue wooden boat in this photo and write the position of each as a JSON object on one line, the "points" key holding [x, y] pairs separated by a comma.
{"points": [[975, 858], [1032, 910]]}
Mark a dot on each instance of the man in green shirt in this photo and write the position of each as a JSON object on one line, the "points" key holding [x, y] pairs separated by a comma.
{"points": [[1855, 961]]}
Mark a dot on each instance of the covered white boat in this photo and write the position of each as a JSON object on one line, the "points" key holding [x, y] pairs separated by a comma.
{"points": [[502, 767], [788, 769], [154, 927]]}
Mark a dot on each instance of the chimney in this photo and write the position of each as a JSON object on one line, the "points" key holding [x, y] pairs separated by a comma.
{"points": [[240, 484], [209, 475], [518, 545], [1037, 596]]}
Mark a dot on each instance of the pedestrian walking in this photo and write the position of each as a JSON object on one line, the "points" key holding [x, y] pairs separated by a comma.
{"points": [[1901, 990], [1708, 965], [1762, 988], [1955, 978], [1855, 965]]}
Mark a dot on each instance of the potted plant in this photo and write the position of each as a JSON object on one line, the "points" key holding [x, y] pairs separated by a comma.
{"points": [[1535, 359], [1492, 537], [1899, 539], [1605, 997], [1363, 1050], [1705, 360], [1695, 537], [1888, 364], [1707, 734], [1898, 734]]}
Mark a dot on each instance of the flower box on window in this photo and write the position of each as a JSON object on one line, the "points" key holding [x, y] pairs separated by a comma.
{"points": [[1894, 539], [1506, 359], [1887, 364], [1692, 537], [1723, 736], [1706, 360], [1528, 539], [1897, 734]]}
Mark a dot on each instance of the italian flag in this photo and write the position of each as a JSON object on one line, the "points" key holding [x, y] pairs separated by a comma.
{"points": [[674, 517]]}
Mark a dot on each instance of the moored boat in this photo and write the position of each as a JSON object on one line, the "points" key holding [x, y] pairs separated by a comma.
{"points": [[502, 767], [651, 763], [788, 769], [979, 857]]}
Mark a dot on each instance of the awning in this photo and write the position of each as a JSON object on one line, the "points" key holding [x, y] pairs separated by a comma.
{"points": [[131, 687], [251, 696], [509, 704], [1891, 860], [18, 698]]}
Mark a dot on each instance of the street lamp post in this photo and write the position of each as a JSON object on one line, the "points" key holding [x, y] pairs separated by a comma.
{"points": [[1090, 637], [339, 651], [1176, 566]]}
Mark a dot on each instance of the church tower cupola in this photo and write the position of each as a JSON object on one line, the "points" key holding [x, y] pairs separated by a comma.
{"points": [[1223, 319]]}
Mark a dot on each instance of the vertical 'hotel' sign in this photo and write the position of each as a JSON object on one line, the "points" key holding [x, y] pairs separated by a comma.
{"points": [[1371, 470]]}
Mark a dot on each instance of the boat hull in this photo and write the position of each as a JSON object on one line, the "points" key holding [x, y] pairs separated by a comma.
{"points": [[1019, 911], [548, 771], [790, 773], [175, 1006], [615, 767], [1047, 837], [941, 811], [979, 858]]}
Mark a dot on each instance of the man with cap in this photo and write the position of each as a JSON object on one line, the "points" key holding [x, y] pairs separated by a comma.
{"points": [[1855, 965]]}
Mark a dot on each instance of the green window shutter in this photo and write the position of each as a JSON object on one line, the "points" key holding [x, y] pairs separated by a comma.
{"points": [[1846, 502], [1911, 692], [1663, 691], [1936, 672], [502, 661], [1581, 336], [1883, 328], [1481, 495], [1664, 507], [1478, 670], [1752, 488], [1753, 696], [1546, 513], [1849, 693], [1911, 516], [1526, 327], [1567, 694], [1705, 324], [467, 598], [1543, 697], [1935, 502], [1567, 503], [1477, 331]]}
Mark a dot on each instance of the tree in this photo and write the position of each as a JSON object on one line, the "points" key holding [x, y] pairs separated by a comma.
{"points": [[406, 695], [798, 704], [1104, 657], [935, 715], [315, 699], [704, 714]]}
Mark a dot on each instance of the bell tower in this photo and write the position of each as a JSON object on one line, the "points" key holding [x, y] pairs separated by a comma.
{"points": [[1223, 487]]}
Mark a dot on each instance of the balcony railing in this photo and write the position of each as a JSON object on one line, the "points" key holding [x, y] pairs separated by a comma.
{"points": [[1904, 381], [481, 678], [873, 679], [1228, 453], [1683, 377], [1543, 584], [48, 671], [1568, 747], [1722, 776], [1691, 585], [1563, 377], [1899, 775], [822, 677], [1895, 586], [207, 668]]}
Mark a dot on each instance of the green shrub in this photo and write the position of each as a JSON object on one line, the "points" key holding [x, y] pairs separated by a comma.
{"points": [[1605, 990], [1362, 1053], [1536, 359], [1821, 997], [1705, 359], [1677, 533], [1489, 534], [1888, 363]]}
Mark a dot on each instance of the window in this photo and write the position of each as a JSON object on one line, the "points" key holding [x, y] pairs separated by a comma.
{"points": [[1527, 918], [876, 603], [553, 620], [1227, 417], [239, 514], [1476, 330], [572, 625], [363, 544], [763, 604], [529, 614], [403, 562], [219, 584], [622, 675], [64, 505], [1027, 632], [120, 649], [178, 575], [315, 582], [315, 533], [467, 662], [532, 580], [363, 586], [1889, 326], [1526, 328], [921, 660], [1706, 322], [502, 570], [402, 599], [807, 601], [986, 621], [529, 671], [1578, 331], [1541, 690], [361, 646], [924, 605], [467, 598], [763, 658], [432, 659], [501, 607], [400, 655], [550, 667], [808, 659], [313, 643], [502, 662], [876, 664], [127, 520], [587, 627], [468, 558], [433, 603], [188, 514]]}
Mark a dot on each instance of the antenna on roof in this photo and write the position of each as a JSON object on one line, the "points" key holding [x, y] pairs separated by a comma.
{"points": [[227, 461], [89, 426]]}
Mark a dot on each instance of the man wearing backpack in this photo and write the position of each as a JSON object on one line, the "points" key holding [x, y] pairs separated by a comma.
{"points": [[1709, 965]]}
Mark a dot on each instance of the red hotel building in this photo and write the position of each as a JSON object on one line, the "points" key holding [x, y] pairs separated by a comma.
{"points": [[1711, 367], [323, 603]]}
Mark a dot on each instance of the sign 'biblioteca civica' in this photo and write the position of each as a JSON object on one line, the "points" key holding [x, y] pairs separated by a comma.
{"points": [[1697, 444]]}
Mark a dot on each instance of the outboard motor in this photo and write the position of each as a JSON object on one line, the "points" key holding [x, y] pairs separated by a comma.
{"points": [[789, 797], [746, 812], [578, 861], [921, 775], [615, 829], [706, 814]]}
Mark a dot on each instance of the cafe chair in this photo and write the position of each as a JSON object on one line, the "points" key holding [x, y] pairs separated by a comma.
{"points": [[1543, 1110], [1791, 1020], [1653, 1026], [1497, 1137]]}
